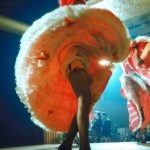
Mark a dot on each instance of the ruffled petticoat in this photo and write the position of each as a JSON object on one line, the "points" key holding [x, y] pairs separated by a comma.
{"points": [[47, 48], [137, 93]]}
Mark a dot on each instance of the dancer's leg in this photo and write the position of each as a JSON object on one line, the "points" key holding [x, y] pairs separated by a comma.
{"points": [[67, 144], [79, 80]]}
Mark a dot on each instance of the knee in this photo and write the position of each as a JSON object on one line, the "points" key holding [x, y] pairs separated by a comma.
{"points": [[84, 103]]}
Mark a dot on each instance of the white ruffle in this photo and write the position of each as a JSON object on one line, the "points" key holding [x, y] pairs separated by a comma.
{"points": [[142, 38]]}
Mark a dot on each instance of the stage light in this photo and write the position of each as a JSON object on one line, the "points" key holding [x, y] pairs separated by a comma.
{"points": [[104, 62]]}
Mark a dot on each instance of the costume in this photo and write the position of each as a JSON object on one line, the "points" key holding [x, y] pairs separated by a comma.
{"points": [[144, 69], [135, 82], [47, 48]]}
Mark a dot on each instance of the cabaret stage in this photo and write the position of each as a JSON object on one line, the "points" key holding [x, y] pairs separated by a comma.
{"points": [[94, 146]]}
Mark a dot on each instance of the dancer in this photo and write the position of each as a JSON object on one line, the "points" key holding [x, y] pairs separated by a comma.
{"points": [[57, 70], [136, 83], [139, 58]]}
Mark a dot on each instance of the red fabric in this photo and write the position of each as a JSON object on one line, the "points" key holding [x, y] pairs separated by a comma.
{"points": [[123, 93], [68, 21], [50, 97], [70, 2], [126, 67], [59, 113], [66, 2], [139, 69], [134, 118], [145, 104], [141, 46]]}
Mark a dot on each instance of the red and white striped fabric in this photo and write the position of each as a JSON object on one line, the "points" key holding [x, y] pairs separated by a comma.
{"points": [[134, 116], [135, 119]]}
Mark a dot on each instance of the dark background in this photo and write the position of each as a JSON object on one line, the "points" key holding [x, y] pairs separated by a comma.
{"points": [[15, 126]]}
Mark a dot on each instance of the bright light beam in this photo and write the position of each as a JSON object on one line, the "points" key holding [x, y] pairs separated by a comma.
{"points": [[104, 62], [12, 26]]}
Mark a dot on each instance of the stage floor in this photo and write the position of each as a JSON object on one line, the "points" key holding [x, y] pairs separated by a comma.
{"points": [[94, 146]]}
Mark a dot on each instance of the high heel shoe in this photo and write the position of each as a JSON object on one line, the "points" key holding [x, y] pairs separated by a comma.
{"points": [[63, 147]]}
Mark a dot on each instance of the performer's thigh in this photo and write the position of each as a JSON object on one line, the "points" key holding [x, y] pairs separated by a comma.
{"points": [[80, 80]]}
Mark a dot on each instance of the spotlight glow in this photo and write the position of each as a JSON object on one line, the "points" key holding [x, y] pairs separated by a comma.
{"points": [[104, 62]]}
